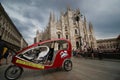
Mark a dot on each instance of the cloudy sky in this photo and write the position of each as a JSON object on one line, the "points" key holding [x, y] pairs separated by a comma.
{"points": [[30, 15]]}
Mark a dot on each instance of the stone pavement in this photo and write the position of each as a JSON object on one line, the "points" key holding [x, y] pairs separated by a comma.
{"points": [[83, 69]]}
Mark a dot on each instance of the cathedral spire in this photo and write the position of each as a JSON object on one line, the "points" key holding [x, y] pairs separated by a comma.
{"points": [[50, 17], [57, 19], [53, 17], [78, 11], [84, 19], [37, 32], [85, 23], [68, 8], [61, 14], [90, 27]]}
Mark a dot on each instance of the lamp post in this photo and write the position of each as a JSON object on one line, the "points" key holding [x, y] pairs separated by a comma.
{"points": [[77, 18]]}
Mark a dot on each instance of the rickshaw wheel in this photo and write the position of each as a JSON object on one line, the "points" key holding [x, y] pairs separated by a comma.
{"points": [[13, 72], [67, 65]]}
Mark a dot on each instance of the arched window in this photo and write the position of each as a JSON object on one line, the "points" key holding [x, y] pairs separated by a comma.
{"points": [[58, 46], [66, 36], [76, 31], [65, 28], [0, 25], [77, 44], [58, 35]]}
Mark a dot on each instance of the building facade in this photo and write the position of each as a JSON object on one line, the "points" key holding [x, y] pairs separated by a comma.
{"points": [[72, 26], [9, 34], [109, 45]]}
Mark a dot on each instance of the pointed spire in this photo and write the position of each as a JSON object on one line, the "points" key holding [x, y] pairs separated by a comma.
{"points": [[84, 19], [53, 17], [78, 11], [85, 23], [61, 13], [57, 19], [50, 17], [68, 7], [37, 32], [90, 27]]}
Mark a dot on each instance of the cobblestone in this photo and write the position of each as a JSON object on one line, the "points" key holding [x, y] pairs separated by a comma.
{"points": [[83, 69]]}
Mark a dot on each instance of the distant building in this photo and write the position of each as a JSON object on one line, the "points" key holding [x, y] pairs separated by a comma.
{"points": [[111, 44], [38, 37], [9, 34], [71, 26]]}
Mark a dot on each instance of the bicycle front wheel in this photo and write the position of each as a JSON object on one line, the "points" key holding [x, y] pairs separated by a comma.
{"points": [[13, 72]]}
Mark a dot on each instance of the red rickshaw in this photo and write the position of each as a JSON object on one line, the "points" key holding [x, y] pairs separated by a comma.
{"points": [[41, 56]]}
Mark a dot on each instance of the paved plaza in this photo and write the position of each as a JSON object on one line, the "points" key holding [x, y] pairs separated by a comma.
{"points": [[83, 69]]}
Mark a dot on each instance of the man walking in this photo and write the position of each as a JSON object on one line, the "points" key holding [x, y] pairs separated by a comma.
{"points": [[4, 52]]}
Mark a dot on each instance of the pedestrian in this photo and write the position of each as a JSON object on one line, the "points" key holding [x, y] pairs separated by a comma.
{"points": [[73, 51], [100, 54], [4, 53], [85, 53], [92, 53], [51, 53], [77, 52]]}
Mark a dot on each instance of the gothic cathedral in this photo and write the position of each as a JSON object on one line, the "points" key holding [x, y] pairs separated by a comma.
{"points": [[73, 26]]}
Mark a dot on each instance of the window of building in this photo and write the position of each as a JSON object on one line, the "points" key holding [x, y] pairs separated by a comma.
{"points": [[65, 28], [40, 40], [76, 31], [110, 45], [0, 25], [66, 36], [115, 46], [58, 46], [58, 35], [104, 46], [77, 44]]}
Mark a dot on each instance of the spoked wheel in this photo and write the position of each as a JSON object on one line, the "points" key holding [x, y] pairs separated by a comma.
{"points": [[13, 72], [67, 65]]}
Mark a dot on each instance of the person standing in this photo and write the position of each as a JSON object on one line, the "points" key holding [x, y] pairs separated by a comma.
{"points": [[51, 53], [85, 53], [4, 52], [73, 52], [92, 53], [100, 54]]}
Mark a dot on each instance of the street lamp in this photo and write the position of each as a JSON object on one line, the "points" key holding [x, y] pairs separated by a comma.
{"points": [[77, 18]]}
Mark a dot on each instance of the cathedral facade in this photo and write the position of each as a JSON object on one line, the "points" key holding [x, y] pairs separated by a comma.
{"points": [[72, 26]]}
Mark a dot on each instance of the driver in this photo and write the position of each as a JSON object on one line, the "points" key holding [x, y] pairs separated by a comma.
{"points": [[51, 52]]}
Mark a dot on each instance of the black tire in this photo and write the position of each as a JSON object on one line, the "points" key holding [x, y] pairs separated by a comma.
{"points": [[13, 72], [67, 65]]}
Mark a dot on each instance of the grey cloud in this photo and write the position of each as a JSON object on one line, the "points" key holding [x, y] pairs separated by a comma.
{"points": [[104, 14], [21, 26]]}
